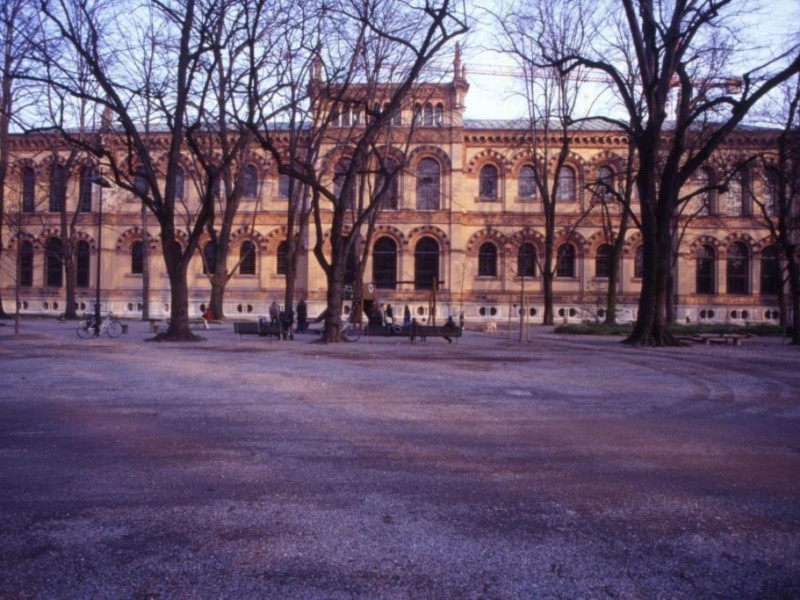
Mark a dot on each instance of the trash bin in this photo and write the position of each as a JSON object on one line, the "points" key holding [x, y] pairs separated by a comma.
{"points": [[124, 328]]}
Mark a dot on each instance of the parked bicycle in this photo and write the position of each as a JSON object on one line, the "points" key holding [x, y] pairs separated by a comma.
{"points": [[110, 326]]}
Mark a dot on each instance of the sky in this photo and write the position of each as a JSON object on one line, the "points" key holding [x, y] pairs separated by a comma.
{"points": [[493, 84]]}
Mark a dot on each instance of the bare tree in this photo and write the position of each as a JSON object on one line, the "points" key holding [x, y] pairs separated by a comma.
{"points": [[781, 209], [531, 34], [679, 47], [172, 100], [17, 23], [350, 67]]}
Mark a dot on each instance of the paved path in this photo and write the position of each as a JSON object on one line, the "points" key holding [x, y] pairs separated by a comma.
{"points": [[565, 468]]}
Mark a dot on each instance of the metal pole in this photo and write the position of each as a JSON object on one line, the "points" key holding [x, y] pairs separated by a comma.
{"points": [[103, 183]]}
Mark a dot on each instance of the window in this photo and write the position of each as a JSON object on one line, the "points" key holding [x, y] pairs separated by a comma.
{"points": [[638, 262], [428, 115], [209, 259], [772, 184], [140, 182], [28, 190], [604, 184], [526, 183], [738, 204], [565, 267], [704, 270], [738, 269], [426, 264], [526, 260], [26, 265], [488, 182], [438, 116], [487, 260], [391, 193], [58, 187], [85, 190], [82, 268], [602, 264], [284, 186], [417, 114], [250, 182], [705, 179], [283, 258], [180, 183], [566, 184], [339, 178], [247, 258], [53, 262], [137, 258], [428, 174], [384, 264], [771, 279]]}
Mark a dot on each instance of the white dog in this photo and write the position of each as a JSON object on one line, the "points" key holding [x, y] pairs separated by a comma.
{"points": [[491, 327]]}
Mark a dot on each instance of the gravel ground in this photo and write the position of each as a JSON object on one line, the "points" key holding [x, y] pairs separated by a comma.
{"points": [[569, 467]]}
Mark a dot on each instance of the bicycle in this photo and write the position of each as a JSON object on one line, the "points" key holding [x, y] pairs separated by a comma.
{"points": [[110, 326]]}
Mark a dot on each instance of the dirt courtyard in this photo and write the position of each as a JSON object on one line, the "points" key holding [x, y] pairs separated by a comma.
{"points": [[568, 467]]}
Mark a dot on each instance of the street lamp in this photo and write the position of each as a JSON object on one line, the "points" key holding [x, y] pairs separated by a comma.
{"points": [[103, 183]]}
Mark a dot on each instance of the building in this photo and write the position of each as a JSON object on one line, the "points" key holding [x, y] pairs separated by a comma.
{"points": [[465, 213]]}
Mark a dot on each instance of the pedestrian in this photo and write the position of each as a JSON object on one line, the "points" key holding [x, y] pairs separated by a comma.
{"points": [[274, 312], [406, 316], [207, 316], [302, 316], [449, 325], [461, 319], [389, 314]]}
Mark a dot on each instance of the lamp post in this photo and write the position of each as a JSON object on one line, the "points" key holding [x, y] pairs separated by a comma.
{"points": [[103, 183]]}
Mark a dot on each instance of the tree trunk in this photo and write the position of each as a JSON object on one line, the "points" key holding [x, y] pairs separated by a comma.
{"points": [[178, 330], [547, 281], [794, 289]]}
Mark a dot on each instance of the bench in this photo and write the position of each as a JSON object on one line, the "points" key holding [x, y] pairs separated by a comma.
{"points": [[260, 328], [728, 339], [426, 331]]}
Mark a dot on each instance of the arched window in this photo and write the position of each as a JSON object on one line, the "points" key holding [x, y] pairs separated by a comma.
{"points": [[428, 115], [180, 183], [26, 265], [284, 186], [526, 183], [488, 182], [209, 259], [428, 174], [487, 260], [738, 269], [565, 267], [53, 263], [250, 182], [604, 183], [738, 196], [384, 263], [705, 270], [28, 190], [707, 199], [566, 184], [771, 279], [526, 260], [283, 258], [58, 187], [390, 193], [247, 258], [602, 264], [82, 268], [426, 263], [438, 116], [417, 114], [85, 190], [137, 258], [638, 262], [772, 183], [339, 178]]}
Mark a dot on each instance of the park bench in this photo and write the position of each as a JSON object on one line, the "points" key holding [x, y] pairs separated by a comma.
{"points": [[426, 331], [728, 339], [262, 328]]}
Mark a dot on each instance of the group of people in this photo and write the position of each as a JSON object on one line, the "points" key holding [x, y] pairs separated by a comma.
{"points": [[287, 317]]}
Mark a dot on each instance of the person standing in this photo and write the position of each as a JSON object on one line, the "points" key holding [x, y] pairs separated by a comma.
{"points": [[389, 314], [274, 312], [302, 316], [406, 316]]}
